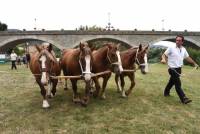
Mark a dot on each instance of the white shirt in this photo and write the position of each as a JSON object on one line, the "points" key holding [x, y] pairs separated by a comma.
{"points": [[13, 56], [176, 56]]}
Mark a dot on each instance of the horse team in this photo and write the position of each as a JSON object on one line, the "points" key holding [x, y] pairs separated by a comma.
{"points": [[88, 65]]}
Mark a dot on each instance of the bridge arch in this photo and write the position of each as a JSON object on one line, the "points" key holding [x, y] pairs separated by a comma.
{"points": [[188, 41], [14, 41], [111, 39]]}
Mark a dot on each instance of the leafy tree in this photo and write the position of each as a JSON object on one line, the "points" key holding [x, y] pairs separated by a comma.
{"points": [[3, 27], [90, 28]]}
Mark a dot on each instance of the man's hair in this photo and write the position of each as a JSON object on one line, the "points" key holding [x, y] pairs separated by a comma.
{"points": [[181, 36]]}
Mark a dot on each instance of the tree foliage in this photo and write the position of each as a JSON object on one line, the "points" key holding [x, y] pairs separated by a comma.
{"points": [[3, 26], [90, 28]]}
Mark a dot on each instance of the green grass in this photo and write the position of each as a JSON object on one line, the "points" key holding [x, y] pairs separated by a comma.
{"points": [[144, 111]]}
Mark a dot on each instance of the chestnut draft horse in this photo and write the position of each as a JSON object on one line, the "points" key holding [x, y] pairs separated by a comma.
{"points": [[75, 62], [128, 59], [43, 65], [105, 59]]}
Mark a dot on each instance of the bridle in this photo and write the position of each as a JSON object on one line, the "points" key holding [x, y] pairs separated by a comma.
{"points": [[81, 66], [112, 63], [49, 72], [136, 59]]}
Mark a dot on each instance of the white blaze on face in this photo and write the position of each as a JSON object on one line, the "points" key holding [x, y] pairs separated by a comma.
{"points": [[146, 63], [87, 68], [119, 61], [44, 78]]}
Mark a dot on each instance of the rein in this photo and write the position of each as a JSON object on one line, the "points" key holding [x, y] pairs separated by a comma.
{"points": [[184, 75]]}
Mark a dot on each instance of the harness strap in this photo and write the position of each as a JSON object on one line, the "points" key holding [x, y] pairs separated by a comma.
{"points": [[114, 63], [136, 59]]}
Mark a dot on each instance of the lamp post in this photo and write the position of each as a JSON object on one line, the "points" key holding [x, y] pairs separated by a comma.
{"points": [[163, 29], [35, 28], [109, 26]]}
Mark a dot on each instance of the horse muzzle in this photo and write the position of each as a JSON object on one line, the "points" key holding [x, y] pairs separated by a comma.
{"points": [[87, 76]]}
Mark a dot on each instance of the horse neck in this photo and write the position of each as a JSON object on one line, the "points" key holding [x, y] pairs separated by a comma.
{"points": [[131, 54], [102, 54]]}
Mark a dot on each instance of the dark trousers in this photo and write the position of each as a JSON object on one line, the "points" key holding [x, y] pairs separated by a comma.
{"points": [[175, 80], [13, 65]]}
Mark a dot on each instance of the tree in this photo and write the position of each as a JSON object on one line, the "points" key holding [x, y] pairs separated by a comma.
{"points": [[90, 28], [3, 26]]}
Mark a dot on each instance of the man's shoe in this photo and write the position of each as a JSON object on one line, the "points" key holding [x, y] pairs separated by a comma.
{"points": [[166, 95], [186, 100]]}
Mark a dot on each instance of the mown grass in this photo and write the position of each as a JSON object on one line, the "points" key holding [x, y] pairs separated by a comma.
{"points": [[144, 111]]}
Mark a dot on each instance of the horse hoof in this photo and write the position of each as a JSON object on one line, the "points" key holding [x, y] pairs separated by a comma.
{"points": [[103, 97], [126, 93], [84, 104], [124, 96], [52, 95], [45, 104], [95, 94], [76, 101]]}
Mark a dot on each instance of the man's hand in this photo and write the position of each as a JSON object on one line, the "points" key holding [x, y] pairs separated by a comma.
{"points": [[163, 61], [196, 66]]}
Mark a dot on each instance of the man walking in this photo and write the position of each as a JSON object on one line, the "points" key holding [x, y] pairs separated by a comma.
{"points": [[13, 57], [174, 56]]}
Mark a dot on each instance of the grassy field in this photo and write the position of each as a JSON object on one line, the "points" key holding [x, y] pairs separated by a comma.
{"points": [[144, 111]]}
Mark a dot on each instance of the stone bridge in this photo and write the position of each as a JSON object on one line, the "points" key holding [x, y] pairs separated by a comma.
{"points": [[69, 39]]}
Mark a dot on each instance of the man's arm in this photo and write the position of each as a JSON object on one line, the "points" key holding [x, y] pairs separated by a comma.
{"points": [[191, 61], [164, 59]]}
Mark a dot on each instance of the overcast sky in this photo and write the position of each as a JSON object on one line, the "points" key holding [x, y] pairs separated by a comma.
{"points": [[124, 14]]}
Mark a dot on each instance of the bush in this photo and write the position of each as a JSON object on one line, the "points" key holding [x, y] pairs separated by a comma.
{"points": [[194, 54], [155, 54]]}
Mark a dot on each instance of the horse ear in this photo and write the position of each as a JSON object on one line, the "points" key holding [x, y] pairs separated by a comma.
{"points": [[92, 48], [140, 47], [147, 47], [50, 47], [81, 46], [109, 46], [38, 48]]}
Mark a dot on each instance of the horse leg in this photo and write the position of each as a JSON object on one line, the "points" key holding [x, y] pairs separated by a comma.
{"points": [[105, 80], [76, 98], [132, 79], [54, 83], [45, 103], [65, 87], [97, 86], [119, 89], [122, 86], [65, 73], [86, 98]]}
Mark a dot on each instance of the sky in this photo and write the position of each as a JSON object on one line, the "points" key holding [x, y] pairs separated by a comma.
{"points": [[177, 15]]}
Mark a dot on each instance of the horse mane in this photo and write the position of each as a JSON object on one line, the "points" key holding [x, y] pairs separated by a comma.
{"points": [[100, 50]]}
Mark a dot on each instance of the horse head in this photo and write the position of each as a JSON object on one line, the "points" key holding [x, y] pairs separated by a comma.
{"points": [[85, 60], [113, 56], [141, 58], [46, 60]]}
